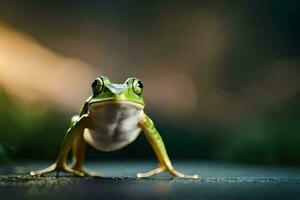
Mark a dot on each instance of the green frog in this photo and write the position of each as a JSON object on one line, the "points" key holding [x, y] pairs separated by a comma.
{"points": [[111, 118]]}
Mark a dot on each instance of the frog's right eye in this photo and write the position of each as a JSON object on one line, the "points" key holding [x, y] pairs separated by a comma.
{"points": [[97, 86]]}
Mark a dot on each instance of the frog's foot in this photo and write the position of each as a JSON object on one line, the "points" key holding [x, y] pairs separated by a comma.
{"points": [[56, 168], [172, 171], [86, 172]]}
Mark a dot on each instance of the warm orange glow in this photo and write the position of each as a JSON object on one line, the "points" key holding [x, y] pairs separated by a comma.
{"points": [[34, 73]]}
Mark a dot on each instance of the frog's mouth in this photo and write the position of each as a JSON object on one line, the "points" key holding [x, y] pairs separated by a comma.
{"points": [[116, 102]]}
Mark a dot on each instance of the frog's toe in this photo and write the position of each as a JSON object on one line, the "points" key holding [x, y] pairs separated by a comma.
{"points": [[176, 173], [89, 173], [84, 172], [36, 173], [151, 173], [69, 170], [47, 170], [77, 173]]}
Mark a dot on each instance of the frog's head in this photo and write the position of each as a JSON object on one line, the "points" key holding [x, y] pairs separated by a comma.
{"points": [[130, 91]]}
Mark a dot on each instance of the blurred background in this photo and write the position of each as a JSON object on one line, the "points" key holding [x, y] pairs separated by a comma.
{"points": [[221, 79]]}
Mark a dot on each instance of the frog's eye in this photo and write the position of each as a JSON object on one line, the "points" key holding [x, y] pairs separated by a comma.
{"points": [[137, 86], [97, 86]]}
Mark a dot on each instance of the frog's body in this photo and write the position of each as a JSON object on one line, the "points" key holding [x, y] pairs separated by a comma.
{"points": [[110, 119], [114, 125]]}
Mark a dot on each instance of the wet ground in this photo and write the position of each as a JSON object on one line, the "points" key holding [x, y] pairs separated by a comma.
{"points": [[220, 181]]}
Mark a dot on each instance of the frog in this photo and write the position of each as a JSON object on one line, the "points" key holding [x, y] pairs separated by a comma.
{"points": [[111, 118]]}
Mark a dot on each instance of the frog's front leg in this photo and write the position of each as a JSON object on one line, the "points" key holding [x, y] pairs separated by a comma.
{"points": [[158, 146], [75, 130]]}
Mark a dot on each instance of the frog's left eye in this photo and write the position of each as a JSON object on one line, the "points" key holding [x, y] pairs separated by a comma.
{"points": [[97, 86], [137, 86]]}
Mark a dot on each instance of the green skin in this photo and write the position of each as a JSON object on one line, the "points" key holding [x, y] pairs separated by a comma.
{"points": [[113, 99]]}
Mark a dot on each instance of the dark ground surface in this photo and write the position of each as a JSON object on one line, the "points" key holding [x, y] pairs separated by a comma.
{"points": [[220, 181]]}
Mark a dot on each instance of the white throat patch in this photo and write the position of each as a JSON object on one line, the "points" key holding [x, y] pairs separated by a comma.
{"points": [[114, 124]]}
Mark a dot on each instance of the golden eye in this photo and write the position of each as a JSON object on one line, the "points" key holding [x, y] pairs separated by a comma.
{"points": [[137, 86], [97, 86]]}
